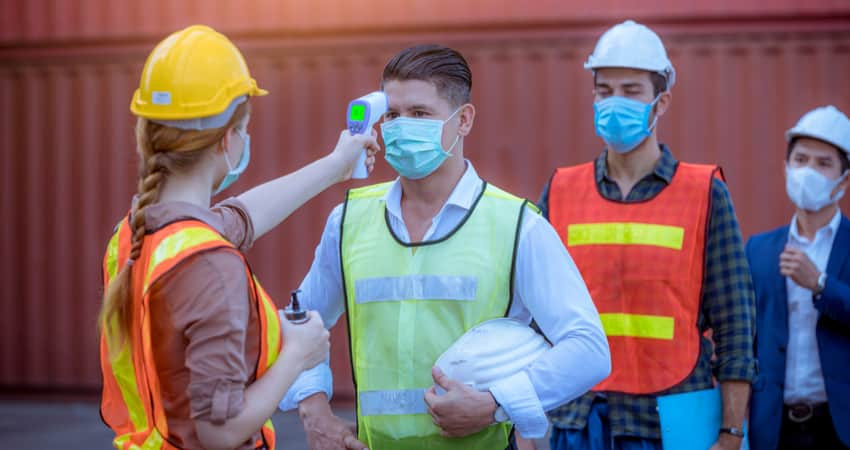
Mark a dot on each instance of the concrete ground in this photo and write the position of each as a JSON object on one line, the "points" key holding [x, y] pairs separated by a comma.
{"points": [[76, 425]]}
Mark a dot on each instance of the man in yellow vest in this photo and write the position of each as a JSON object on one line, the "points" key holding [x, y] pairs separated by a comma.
{"points": [[658, 244], [416, 262]]}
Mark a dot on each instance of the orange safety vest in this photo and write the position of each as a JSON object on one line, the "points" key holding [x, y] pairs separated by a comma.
{"points": [[131, 404], [643, 264]]}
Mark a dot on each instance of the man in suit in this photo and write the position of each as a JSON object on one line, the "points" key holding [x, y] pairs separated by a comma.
{"points": [[801, 275]]}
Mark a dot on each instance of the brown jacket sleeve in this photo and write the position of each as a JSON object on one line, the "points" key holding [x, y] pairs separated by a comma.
{"points": [[235, 223]]}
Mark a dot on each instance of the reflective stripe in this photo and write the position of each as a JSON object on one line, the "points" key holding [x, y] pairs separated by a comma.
{"points": [[125, 376], [176, 243], [120, 441], [625, 233], [270, 318], [637, 325], [123, 370], [383, 403], [112, 255], [153, 441], [416, 287], [113, 250]]}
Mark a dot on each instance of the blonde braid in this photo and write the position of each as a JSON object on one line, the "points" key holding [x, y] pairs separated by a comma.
{"points": [[148, 193], [117, 302]]}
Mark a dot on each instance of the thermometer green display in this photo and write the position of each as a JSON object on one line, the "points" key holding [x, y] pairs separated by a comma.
{"points": [[363, 113]]}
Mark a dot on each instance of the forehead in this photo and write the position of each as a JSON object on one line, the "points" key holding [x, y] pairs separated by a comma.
{"points": [[404, 94], [616, 76], [815, 148]]}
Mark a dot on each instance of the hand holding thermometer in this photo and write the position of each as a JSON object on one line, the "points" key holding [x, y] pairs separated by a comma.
{"points": [[363, 113], [293, 312]]}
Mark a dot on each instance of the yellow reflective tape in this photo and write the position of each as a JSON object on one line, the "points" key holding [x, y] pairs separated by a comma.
{"points": [[625, 233], [637, 325], [153, 441], [273, 326], [112, 256], [176, 243], [119, 441], [125, 375]]}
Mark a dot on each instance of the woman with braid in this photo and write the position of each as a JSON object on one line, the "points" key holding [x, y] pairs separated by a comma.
{"points": [[193, 353]]}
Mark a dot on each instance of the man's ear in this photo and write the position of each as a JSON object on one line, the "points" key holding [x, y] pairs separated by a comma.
{"points": [[467, 117], [665, 99], [844, 185]]}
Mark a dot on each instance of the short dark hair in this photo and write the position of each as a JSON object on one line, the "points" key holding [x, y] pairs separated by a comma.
{"points": [[842, 156], [444, 67], [659, 83]]}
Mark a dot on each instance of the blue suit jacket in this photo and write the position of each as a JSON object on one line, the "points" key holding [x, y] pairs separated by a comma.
{"points": [[833, 334]]}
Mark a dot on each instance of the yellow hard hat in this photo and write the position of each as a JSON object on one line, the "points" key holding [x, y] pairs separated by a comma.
{"points": [[195, 72]]}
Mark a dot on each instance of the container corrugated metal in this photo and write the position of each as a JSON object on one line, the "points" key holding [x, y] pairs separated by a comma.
{"points": [[35, 20], [68, 165]]}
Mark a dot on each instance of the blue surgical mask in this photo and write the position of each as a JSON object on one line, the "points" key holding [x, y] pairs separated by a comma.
{"points": [[623, 123], [234, 172], [414, 147]]}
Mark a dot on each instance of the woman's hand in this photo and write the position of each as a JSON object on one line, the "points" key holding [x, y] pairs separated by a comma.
{"points": [[306, 343], [348, 148], [304, 346]]}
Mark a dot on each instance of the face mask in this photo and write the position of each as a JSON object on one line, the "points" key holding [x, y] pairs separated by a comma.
{"points": [[623, 123], [414, 146], [233, 173], [809, 189]]}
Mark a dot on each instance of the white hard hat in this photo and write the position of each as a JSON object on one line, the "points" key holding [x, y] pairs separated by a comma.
{"points": [[633, 46], [827, 124], [491, 351]]}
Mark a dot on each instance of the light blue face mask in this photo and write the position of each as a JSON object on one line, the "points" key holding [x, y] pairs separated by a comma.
{"points": [[414, 147], [234, 172], [623, 123]]}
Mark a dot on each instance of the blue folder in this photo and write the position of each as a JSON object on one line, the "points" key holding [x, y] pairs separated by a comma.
{"points": [[691, 421]]}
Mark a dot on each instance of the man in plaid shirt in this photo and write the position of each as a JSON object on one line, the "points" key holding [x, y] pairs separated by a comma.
{"points": [[615, 217]]}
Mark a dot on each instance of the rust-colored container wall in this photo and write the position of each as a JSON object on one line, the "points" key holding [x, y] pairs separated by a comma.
{"points": [[67, 73]]}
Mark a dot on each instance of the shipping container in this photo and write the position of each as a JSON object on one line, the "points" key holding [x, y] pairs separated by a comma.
{"points": [[61, 21], [746, 71]]}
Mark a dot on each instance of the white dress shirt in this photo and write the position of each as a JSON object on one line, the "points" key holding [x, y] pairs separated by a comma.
{"points": [[803, 376], [548, 287]]}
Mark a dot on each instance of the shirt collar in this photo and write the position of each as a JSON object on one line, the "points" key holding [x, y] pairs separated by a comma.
{"points": [[830, 228], [463, 195], [664, 168], [158, 215]]}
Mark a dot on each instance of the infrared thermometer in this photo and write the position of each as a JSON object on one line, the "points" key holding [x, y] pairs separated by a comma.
{"points": [[363, 113]]}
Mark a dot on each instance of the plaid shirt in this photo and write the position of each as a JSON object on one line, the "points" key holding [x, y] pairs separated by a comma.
{"points": [[728, 308]]}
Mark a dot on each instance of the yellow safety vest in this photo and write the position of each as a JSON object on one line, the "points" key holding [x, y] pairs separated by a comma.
{"points": [[407, 303]]}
